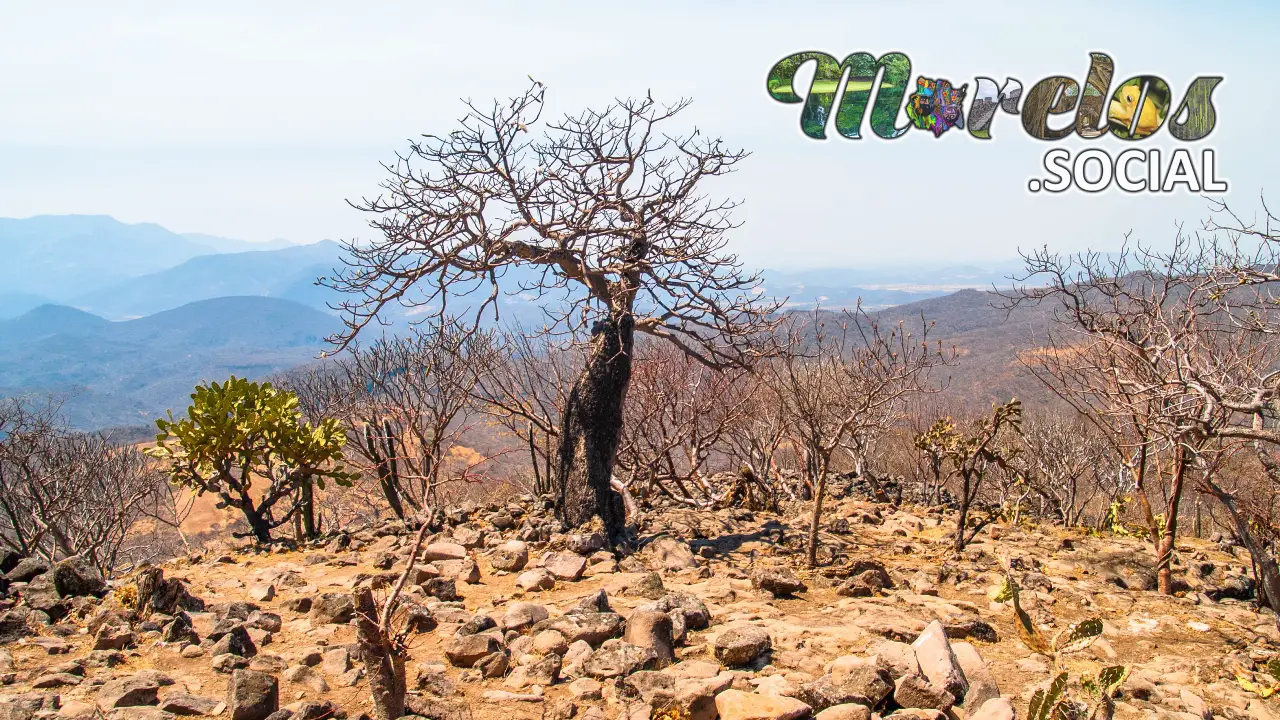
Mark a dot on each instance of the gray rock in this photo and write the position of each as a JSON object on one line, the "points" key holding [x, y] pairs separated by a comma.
{"points": [[332, 608], [778, 581], [914, 691], [696, 614], [466, 650], [564, 565], [593, 628], [865, 685], [618, 659], [186, 704], [522, 616], [982, 684], [252, 695], [740, 646]]}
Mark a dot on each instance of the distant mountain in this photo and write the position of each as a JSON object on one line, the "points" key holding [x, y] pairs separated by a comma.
{"points": [[229, 245], [58, 256], [127, 373], [288, 272], [14, 304]]}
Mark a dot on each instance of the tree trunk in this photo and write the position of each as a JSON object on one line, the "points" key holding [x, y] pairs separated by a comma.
{"points": [[964, 514], [592, 430], [382, 662], [307, 509], [257, 521], [1268, 571], [816, 520]]}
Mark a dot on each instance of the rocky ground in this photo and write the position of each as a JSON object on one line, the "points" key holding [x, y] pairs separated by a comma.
{"points": [[715, 616]]}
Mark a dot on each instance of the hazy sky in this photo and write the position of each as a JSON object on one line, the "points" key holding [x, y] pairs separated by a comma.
{"points": [[257, 119]]}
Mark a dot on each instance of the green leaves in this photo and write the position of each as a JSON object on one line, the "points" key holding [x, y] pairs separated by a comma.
{"points": [[1078, 636], [237, 430]]}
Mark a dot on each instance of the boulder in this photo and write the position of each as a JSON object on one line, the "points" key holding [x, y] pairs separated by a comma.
{"points": [[938, 663], [181, 703], [252, 695], [995, 709], [307, 677], [865, 685], [652, 630], [586, 543], [510, 556], [778, 581], [668, 553], [127, 692], [914, 691], [538, 579], [593, 628], [738, 705], [523, 615], [740, 646], [564, 565], [982, 684], [76, 577], [850, 711], [460, 571], [618, 659], [466, 650], [332, 608], [545, 671], [26, 570], [235, 642], [443, 551]]}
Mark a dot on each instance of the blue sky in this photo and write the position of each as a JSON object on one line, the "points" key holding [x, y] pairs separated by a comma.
{"points": [[258, 120]]}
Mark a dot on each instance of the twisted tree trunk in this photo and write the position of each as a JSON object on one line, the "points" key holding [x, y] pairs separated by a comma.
{"points": [[592, 430]]}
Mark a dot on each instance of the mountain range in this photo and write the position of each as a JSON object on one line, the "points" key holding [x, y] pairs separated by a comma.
{"points": [[123, 319]]}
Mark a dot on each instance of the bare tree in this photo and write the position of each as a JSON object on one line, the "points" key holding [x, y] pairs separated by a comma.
{"points": [[602, 218], [678, 413], [64, 493], [843, 386], [1067, 464], [404, 403]]}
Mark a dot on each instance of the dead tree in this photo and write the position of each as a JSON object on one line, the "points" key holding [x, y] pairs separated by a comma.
{"points": [[601, 217], [844, 385], [382, 646]]}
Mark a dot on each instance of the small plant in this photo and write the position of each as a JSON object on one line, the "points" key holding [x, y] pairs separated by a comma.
{"points": [[1055, 703], [127, 596]]}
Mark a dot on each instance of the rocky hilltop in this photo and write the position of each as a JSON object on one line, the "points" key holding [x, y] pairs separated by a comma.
{"points": [[715, 615]]}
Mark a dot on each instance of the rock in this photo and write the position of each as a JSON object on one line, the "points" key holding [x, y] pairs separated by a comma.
{"points": [[982, 684], [335, 662], [652, 630], [261, 620], [668, 553], [698, 697], [618, 659], [236, 642], [469, 537], [596, 602], [76, 577], [586, 543], [651, 687], [898, 657], [114, 637], [185, 704], [593, 628], [865, 685], [740, 646], [332, 608], [777, 581], [550, 641], [914, 691], [585, 689], [262, 592], [849, 711], [228, 662], [510, 556], [464, 651], [56, 679], [127, 692], [938, 663], [995, 709], [564, 565], [537, 579], [252, 695], [493, 665], [141, 713], [577, 654], [460, 571], [443, 551], [545, 671], [522, 616], [648, 586], [300, 605], [26, 570], [738, 705]]}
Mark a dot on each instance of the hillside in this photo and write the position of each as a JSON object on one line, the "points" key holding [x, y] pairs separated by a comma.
{"points": [[128, 373], [58, 255], [284, 272]]}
